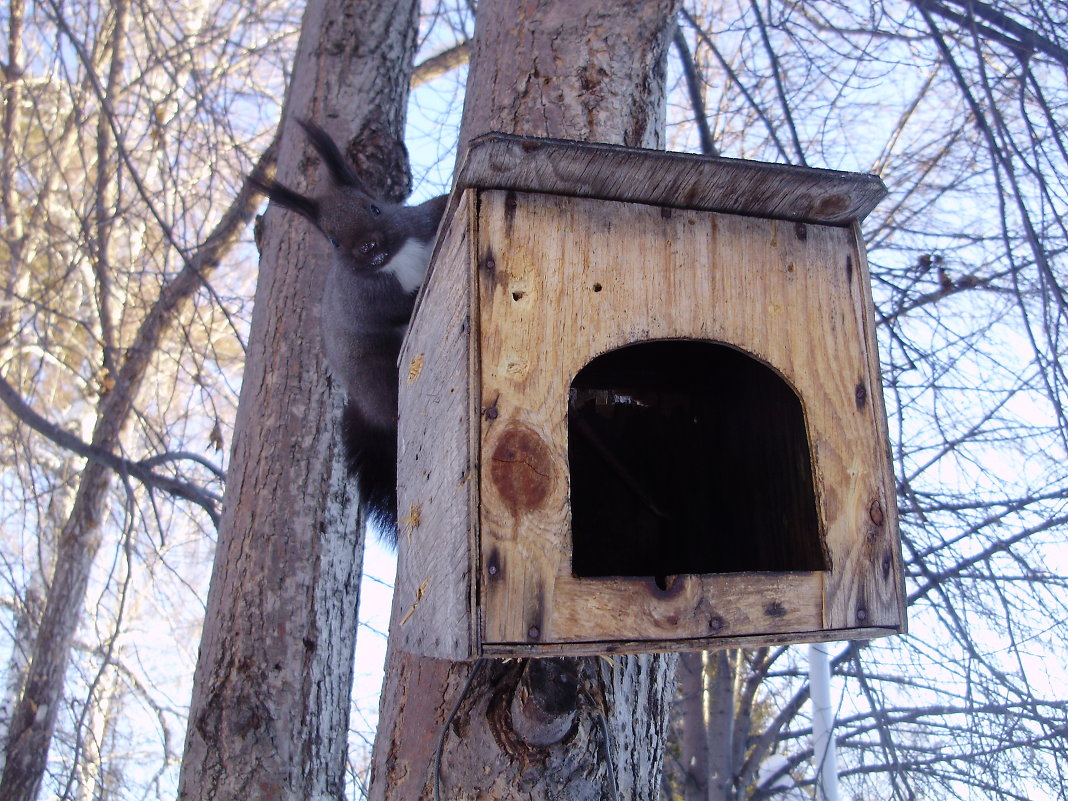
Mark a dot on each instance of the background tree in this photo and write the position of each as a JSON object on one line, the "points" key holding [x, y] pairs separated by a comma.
{"points": [[120, 188], [117, 163], [960, 107]]}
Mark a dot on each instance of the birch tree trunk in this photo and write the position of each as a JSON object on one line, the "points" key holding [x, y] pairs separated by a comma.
{"points": [[269, 713], [721, 726], [537, 728], [694, 729]]}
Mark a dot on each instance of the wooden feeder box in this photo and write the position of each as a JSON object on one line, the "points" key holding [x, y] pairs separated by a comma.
{"points": [[641, 410]]}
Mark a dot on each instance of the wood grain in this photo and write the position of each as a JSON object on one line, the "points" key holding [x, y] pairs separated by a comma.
{"points": [[564, 279], [434, 591], [525, 289], [679, 180]]}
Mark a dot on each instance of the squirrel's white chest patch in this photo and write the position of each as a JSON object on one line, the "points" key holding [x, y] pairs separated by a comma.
{"points": [[410, 263]]}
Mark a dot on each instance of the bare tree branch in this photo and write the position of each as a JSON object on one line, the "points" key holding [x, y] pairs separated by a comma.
{"points": [[697, 99], [140, 470]]}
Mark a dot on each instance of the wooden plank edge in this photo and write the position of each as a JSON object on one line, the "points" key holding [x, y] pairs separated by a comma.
{"points": [[493, 160], [594, 647], [455, 197], [474, 436], [882, 426]]}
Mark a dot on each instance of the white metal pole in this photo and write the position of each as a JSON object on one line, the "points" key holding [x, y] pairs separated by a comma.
{"points": [[819, 680]]}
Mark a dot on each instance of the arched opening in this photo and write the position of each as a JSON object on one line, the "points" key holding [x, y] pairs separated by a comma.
{"points": [[688, 457]]}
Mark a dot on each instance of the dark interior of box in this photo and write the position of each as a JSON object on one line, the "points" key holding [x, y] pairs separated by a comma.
{"points": [[688, 457]]}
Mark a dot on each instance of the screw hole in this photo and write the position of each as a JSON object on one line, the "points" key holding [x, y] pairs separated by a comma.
{"points": [[518, 295], [597, 287]]}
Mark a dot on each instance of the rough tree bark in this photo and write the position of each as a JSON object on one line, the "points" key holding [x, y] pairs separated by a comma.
{"points": [[269, 714], [536, 729]]}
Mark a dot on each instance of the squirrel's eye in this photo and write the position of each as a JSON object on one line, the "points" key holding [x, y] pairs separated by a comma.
{"points": [[332, 241], [375, 210]]}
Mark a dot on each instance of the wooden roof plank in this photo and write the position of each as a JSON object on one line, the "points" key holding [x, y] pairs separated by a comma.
{"points": [[676, 180]]}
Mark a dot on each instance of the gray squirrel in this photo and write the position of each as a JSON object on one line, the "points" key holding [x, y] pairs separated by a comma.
{"points": [[381, 254]]}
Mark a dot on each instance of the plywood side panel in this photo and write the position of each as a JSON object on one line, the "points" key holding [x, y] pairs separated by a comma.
{"points": [[563, 280], [434, 590], [871, 589]]}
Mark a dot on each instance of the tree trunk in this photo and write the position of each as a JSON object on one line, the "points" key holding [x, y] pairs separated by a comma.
{"points": [[694, 727], [586, 70], [536, 728], [721, 726], [269, 713]]}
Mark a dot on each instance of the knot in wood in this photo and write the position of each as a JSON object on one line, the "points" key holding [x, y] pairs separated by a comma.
{"points": [[545, 702], [521, 469], [875, 512]]}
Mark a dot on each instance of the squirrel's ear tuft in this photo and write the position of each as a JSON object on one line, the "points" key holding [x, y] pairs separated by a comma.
{"points": [[286, 197], [340, 171]]}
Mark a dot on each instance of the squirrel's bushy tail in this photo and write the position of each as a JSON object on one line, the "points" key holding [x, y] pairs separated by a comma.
{"points": [[371, 455]]}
